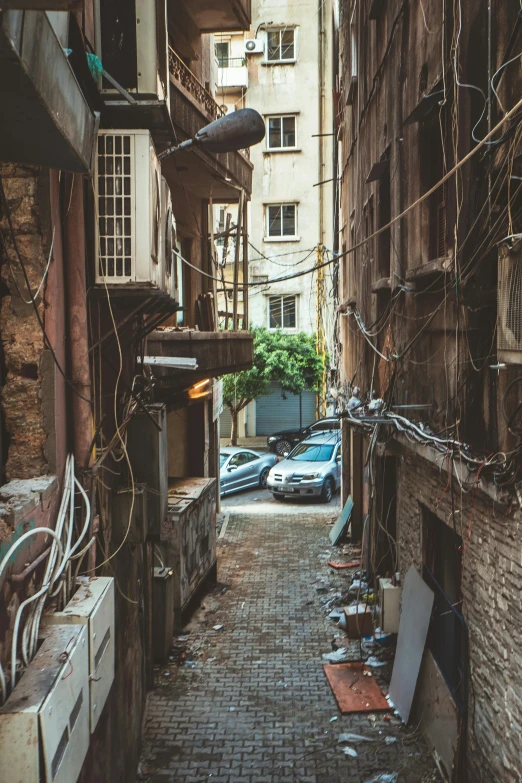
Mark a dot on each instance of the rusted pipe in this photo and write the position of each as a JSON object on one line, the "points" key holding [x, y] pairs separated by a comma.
{"points": [[16, 578], [75, 275]]}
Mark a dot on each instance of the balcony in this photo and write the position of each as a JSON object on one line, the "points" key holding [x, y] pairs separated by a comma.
{"points": [[46, 119], [193, 107], [218, 16], [232, 74], [217, 353]]}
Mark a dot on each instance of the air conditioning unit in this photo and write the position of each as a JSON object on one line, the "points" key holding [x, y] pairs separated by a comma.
{"points": [[128, 206], [509, 309], [44, 724], [254, 46], [132, 43], [169, 242], [390, 605], [92, 606]]}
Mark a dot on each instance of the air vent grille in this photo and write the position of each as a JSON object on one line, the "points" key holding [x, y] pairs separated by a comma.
{"points": [[509, 332], [115, 207]]}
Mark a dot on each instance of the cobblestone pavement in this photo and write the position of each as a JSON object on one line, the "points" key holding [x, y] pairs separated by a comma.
{"points": [[250, 703]]}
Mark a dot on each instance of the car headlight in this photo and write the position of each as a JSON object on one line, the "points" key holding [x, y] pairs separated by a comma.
{"points": [[310, 476]]}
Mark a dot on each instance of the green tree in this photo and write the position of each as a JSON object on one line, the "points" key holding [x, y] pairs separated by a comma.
{"points": [[289, 359]]}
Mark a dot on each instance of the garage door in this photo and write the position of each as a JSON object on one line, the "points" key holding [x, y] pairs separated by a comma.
{"points": [[225, 423], [273, 413]]}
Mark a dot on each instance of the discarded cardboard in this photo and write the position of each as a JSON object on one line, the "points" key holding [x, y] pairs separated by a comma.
{"points": [[353, 690], [417, 603], [353, 564], [359, 621], [342, 522]]}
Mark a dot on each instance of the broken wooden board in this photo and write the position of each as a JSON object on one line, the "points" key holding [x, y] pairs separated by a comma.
{"points": [[353, 690], [342, 522], [417, 603]]}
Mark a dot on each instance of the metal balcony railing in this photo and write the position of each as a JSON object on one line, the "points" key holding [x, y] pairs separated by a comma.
{"points": [[231, 62], [180, 73]]}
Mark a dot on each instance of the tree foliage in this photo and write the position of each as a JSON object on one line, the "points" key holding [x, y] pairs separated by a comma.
{"points": [[289, 359]]}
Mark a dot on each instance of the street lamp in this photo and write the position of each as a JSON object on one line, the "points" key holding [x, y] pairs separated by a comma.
{"points": [[235, 131]]}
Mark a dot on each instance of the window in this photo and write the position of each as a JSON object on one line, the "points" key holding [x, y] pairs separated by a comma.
{"points": [[281, 220], [223, 53], [308, 452], [242, 458], [282, 312], [281, 132], [281, 45]]}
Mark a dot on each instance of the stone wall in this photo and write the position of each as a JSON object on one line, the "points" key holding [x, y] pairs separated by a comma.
{"points": [[491, 578], [25, 189]]}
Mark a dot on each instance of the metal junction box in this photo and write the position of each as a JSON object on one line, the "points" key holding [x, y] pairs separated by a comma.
{"points": [[122, 504], [92, 606], [44, 724], [189, 535], [390, 603], [147, 450]]}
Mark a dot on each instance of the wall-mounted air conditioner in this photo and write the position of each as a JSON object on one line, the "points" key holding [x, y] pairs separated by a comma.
{"points": [[509, 307], [169, 242], [92, 606], [254, 46], [128, 206], [44, 724], [131, 41]]}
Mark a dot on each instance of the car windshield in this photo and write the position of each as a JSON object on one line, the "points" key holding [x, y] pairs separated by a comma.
{"points": [[312, 452], [222, 459]]}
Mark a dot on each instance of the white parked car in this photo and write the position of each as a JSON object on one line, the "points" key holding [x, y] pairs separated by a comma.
{"points": [[313, 468]]}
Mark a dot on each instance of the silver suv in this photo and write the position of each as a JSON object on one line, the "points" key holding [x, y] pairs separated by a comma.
{"points": [[312, 468]]}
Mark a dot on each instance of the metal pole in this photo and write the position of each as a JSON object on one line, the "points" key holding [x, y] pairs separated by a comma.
{"points": [[245, 266], [236, 260]]}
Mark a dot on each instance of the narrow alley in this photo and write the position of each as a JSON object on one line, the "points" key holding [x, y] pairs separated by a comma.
{"points": [[250, 702]]}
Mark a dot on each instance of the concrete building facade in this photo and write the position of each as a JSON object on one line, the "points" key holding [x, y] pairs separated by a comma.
{"points": [[284, 68]]}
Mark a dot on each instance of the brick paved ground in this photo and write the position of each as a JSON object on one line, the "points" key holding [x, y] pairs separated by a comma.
{"points": [[253, 704]]}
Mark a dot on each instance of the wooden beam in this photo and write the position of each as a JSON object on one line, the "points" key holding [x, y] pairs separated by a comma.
{"points": [[42, 5]]}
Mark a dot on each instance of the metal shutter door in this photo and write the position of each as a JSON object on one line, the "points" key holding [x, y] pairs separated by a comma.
{"points": [[273, 413], [225, 423]]}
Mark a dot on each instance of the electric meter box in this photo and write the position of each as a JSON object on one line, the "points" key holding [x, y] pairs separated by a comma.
{"points": [[93, 607], [44, 724]]}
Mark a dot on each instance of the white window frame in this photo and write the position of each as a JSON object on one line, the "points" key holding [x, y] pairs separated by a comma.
{"points": [[285, 59], [282, 297], [281, 237], [281, 117], [229, 44]]}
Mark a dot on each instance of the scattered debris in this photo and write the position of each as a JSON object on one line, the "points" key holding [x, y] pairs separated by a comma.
{"points": [[390, 740], [384, 777], [348, 751], [336, 657], [372, 661], [349, 737], [332, 720], [344, 565], [217, 627]]}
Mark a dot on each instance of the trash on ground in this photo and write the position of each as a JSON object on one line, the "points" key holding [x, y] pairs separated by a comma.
{"points": [[354, 564], [336, 657], [359, 621], [348, 751], [390, 740], [384, 777], [332, 720], [336, 614], [358, 586], [372, 661], [349, 737], [353, 691], [217, 627]]}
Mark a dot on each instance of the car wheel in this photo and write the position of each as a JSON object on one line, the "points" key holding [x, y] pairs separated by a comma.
{"points": [[277, 496], [327, 491], [283, 447], [263, 478]]}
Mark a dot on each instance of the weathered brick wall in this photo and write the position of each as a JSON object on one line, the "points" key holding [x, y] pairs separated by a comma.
{"points": [[491, 579], [22, 339]]}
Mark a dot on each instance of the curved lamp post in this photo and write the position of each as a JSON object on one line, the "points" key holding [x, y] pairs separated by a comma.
{"points": [[233, 132]]}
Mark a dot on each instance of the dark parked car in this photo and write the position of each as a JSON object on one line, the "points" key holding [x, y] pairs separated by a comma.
{"points": [[283, 442]]}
